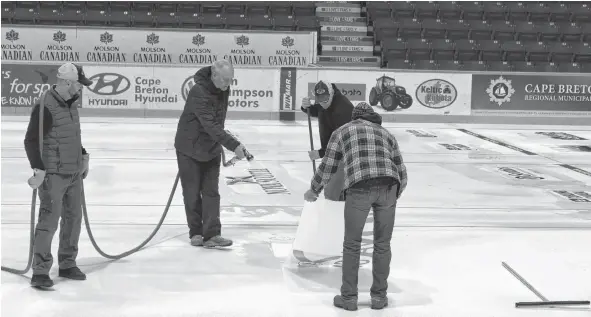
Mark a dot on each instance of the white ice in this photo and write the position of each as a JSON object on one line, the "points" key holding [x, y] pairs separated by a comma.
{"points": [[459, 219]]}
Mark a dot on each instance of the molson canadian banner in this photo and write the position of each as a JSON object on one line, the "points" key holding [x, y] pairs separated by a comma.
{"points": [[156, 46], [395, 92], [166, 88]]}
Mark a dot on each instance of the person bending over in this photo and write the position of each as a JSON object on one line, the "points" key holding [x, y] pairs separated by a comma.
{"points": [[375, 177]]}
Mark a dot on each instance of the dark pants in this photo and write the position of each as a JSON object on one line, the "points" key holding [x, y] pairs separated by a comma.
{"points": [[358, 202], [200, 182], [60, 197]]}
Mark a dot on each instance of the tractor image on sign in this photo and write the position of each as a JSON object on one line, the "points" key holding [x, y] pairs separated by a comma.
{"points": [[389, 94]]}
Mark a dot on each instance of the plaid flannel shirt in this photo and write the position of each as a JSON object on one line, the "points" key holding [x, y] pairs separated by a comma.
{"points": [[369, 151]]}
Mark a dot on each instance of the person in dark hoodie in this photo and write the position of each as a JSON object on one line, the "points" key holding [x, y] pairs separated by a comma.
{"points": [[198, 142], [375, 177], [333, 110]]}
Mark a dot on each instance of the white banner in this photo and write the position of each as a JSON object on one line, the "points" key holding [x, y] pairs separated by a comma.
{"points": [[156, 46], [396, 92], [167, 88]]}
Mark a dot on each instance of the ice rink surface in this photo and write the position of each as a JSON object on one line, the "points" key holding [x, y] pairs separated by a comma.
{"points": [[477, 195]]}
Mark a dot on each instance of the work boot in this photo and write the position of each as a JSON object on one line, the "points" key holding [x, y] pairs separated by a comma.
{"points": [[217, 241], [379, 302], [346, 304], [41, 280], [72, 273], [197, 240]]}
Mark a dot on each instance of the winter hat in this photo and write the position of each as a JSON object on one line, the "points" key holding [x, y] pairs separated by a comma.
{"points": [[322, 91], [361, 109]]}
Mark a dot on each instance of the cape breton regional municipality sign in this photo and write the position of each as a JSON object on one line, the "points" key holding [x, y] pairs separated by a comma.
{"points": [[156, 46], [532, 95]]}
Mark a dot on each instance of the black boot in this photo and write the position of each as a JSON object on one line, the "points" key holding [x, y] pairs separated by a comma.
{"points": [[73, 273], [41, 280], [346, 304]]}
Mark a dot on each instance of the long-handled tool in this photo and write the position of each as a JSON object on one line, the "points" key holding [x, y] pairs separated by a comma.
{"points": [[311, 140]]}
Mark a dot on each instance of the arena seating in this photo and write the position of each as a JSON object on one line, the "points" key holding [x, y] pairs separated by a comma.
{"points": [[239, 15], [486, 35], [500, 36]]}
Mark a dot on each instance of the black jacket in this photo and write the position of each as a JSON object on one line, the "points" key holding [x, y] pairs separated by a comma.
{"points": [[338, 114], [200, 132]]}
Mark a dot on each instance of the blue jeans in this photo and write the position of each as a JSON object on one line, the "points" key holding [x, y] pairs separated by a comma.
{"points": [[358, 202]]}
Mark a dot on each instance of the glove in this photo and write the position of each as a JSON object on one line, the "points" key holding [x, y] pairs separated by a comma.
{"points": [[310, 196], [85, 165], [306, 103], [37, 179], [314, 155], [240, 152]]}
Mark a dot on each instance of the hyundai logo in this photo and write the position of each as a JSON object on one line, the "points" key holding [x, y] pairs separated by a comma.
{"points": [[108, 84], [186, 87]]}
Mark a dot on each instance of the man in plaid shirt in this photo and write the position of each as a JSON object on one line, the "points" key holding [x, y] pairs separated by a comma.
{"points": [[375, 176]]}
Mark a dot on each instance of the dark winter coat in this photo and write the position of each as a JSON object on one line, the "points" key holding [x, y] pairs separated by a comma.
{"points": [[200, 131], [337, 115]]}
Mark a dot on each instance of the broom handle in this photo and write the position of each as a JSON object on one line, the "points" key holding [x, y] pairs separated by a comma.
{"points": [[311, 139]]}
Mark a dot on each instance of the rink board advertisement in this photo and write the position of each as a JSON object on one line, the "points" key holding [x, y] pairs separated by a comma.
{"points": [[23, 84], [166, 88], [531, 95], [395, 92], [156, 46]]}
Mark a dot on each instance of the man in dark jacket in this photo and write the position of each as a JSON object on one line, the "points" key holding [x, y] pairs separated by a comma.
{"points": [[333, 111], [59, 162], [198, 143], [375, 177]]}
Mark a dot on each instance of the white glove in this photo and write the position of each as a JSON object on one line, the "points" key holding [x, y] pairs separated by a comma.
{"points": [[85, 165], [240, 152], [314, 155], [306, 103], [37, 179]]}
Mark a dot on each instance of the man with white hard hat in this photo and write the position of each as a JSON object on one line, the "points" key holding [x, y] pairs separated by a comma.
{"points": [[59, 163]]}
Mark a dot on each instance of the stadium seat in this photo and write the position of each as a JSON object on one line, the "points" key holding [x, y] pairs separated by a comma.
{"points": [[280, 8], [25, 12], [499, 66], [254, 8], [212, 21], [425, 64], [513, 51], [539, 11], [549, 32], [569, 68], [475, 66], [457, 29], [418, 49], [236, 21], [449, 10], [524, 67], [490, 50], [72, 13], [494, 11], [304, 9], [503, 31], [49, 12], [571, 32], [425, 10], [393, 49], [283, 23], [402, 9], [537, 52], [7, 12], [410, 29], [433, 29], [449, 65], [517, 11], [480, 30], [442, 49], [561, 53], [260, 22], [581, 12], [472, 11], [307, 23], [466, 50], [399, 64], [559, 12], [582, 52], [378, 10]]}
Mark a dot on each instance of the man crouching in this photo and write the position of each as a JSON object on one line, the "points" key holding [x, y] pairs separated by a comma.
{"points": [[375, 176], [198, 143]]}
